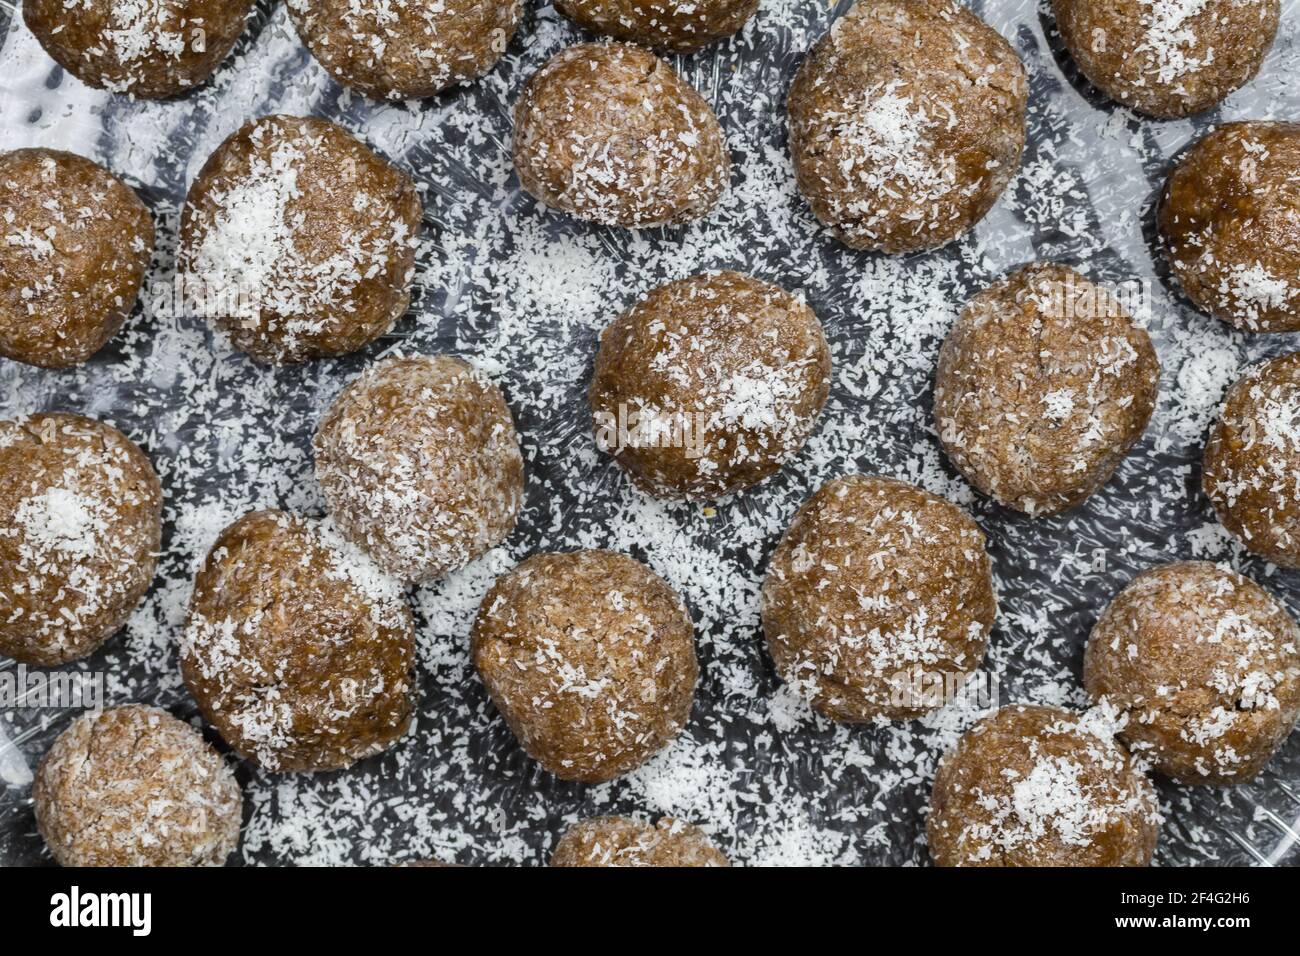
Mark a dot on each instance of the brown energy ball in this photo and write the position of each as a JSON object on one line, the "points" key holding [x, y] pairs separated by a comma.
{"points": [[1230, 218], [718, 379], [80, 529], [590, 657], [148, 48], [907, 121], [1042, 387], [298, 241], [681, 26], [878, 594], [420, 464], [77, 242], [1040, 786], [298, 649], [620, 841], [1205, 664], [134, 786], [403, 49], [1165, 58], [1253, 459], [610, 134]]}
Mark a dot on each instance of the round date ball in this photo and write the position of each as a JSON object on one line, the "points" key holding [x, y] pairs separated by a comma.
{"points": [[404, 49], [1164, 58], [590, 658], [680, 26], [148, 48], [610, 134], [1043, 386], [1040, 786], [1230, 220], [1253, 458], [80, 531], [420, 464], [1206, 666], [298, 649], [621, 841], [907, 121], [878, 593], [77, 242], [709, 384], [134, 786], [299, 242]]}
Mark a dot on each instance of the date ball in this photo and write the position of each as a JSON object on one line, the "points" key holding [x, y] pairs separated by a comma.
{"points": [[77, 242], [907, 121], [680, 26], [298, 242], [610, 134], [590, 658], [1043, 386], [420, 464], [878, 598], [298, 648], [1253, 458], [1165, 58], [620, 841], [134, 786], [1040, 786], [80, 531], [709, 384], [148, 48], [1205, 664], [403, 49], [1230, 220]]}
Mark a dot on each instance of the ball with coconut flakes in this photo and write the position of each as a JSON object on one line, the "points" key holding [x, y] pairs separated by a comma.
{"points": [[907, 121], [147, 48], [1205, 664], [622, 841], [77, 244], [1043, 385], [298, 649], [590, 658], [611, 134], [1041, 786], [681, 26], [134, 786], [299, 242], [420, 464], [720, 379], [1229, 217], [80, 531]]}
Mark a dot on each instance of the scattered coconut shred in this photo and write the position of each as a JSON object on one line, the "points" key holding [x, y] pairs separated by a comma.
{"points": [[523, 293]]}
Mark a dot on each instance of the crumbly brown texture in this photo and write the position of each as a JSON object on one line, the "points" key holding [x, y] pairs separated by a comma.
{"points": [[420, 464], [1230, 220], [1039, 786], [1168, 58], [677, 25], [719, 379], [148, 48], [907, 121], [610, 134], [298, 649], [1205, 664], [301, 240], [77, 242], [402, 49], [620, 841], [1042, 387], [134, 786], [1251, 471], [80, 530], [590, 658], [879, 595]]}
